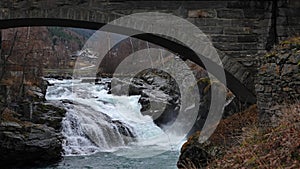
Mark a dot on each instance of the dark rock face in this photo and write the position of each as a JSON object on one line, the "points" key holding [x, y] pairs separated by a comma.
{"points": [[157, 88], [30, 144], [160, 96], [194, 154], [47, 114], [59, 76], [203, 83], [123, 129], [197, 155], [30, 130]]}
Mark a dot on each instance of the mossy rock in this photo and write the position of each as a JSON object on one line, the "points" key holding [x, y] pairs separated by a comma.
{"points": [[198, 155]]}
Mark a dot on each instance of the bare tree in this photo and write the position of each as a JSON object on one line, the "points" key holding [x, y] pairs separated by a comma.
{"points": [[4, 58], [24, 71]]}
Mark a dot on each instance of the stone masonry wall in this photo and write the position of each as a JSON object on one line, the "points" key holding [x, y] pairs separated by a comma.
{"points": [[278, 77], [237, 28], [288, 19], [278, 80]]}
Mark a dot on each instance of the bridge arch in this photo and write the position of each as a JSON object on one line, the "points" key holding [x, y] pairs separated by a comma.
{"points": [[236, 75], [240, 29]]}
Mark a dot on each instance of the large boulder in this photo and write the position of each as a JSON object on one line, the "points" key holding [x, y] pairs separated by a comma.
{"points": [[30, 129], [161, 98], [160, 94], [197, 155], [25, 143], [48, 114]]}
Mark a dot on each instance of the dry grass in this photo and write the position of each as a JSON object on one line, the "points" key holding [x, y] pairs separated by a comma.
{"points": [[11, 80], [227, 134], [288, 44], [229, 130], [291, 40], [188, 164], [277, 147], [11, 116]]}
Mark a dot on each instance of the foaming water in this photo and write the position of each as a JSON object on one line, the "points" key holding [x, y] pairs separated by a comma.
{"points": [[99, 122]]}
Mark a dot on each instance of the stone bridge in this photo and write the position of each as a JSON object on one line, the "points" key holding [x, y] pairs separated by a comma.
{"points": [[238, 29]]}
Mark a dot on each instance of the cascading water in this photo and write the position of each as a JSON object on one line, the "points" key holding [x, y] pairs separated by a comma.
{"points": [[99, 122]]}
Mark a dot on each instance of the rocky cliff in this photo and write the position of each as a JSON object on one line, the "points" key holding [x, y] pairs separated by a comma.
{"points": [[30, 129]]}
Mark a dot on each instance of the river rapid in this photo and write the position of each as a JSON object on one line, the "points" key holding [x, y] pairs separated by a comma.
{"points": [[106, 131]]}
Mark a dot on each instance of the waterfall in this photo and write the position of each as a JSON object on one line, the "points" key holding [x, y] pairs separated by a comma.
{"points": [[88, 131], [96, 121]]}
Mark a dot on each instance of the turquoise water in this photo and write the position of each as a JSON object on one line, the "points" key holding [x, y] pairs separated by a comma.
{"points": [[107, 160]]}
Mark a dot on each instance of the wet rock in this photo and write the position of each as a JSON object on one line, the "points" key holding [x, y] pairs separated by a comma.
{"points": [[24, 143], [160, 95], [58, 76], [30, 130], [47, 114], [10, 125], [197, 155], [123, 129], [119, 87]]}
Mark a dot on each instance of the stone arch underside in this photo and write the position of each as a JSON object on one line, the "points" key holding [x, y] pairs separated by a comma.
{"points": [[245, 30], [238, 28], [239, 80]]}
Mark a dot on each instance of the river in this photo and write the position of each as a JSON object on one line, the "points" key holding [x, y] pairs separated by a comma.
{"points": [[106, 131]]}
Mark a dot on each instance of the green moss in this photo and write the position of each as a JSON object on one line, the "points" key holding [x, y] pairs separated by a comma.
{"points": [[204, 80], [292, 40], [272, 54]]}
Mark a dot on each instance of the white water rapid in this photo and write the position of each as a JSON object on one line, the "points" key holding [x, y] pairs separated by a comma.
{"points": [[99, 122]]}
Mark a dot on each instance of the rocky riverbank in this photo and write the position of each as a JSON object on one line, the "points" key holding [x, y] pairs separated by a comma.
{"points": [[30, 129]]}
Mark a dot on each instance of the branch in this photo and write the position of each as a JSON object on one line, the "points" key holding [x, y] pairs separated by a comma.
{"points": [[5, 59]]}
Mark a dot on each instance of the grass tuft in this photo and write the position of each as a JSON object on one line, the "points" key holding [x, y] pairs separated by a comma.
{"points": [[277, 147]]}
